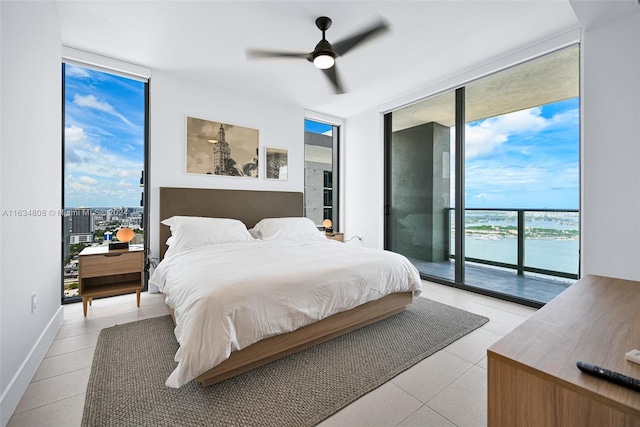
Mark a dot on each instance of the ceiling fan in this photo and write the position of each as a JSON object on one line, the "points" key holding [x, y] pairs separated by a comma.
{"points": [[324, 55]]}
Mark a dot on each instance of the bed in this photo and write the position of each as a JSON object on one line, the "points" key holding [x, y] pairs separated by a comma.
{"points": [[289, 306]]}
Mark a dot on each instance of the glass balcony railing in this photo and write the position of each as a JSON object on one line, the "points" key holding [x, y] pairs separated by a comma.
{"points": [[542, 241]]}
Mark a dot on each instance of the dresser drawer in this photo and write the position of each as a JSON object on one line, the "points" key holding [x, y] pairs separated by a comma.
{"points": [[110, 264]]}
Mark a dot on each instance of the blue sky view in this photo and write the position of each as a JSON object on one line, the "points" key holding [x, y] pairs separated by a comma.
{"points": [[526, 159], [316, 127], [104, 139]]}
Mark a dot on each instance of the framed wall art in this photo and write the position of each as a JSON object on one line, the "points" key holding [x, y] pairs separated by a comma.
{"points": [[277, 163], [215, 148]]}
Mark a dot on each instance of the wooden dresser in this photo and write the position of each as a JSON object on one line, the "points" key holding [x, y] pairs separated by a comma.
{"points": [[533, 379]]}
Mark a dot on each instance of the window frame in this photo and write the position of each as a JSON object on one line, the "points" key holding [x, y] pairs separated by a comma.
{"points": [[336, 214], [107, 65]]}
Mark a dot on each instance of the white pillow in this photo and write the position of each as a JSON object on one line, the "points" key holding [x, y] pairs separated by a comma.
{"points": [[169, 221], [286, 229], [254, 233], [188, 232]]}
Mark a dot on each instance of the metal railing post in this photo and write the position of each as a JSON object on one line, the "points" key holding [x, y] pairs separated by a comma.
{"points": [[520, 242]]}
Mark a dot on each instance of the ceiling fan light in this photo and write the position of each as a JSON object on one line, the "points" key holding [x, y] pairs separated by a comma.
{"points": [[324, 61]]}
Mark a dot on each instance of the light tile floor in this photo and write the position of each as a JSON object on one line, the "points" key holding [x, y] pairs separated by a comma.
{"points": [[447, 389]]}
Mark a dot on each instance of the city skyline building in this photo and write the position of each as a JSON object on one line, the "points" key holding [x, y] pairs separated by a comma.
{"points": [[81, 220]]}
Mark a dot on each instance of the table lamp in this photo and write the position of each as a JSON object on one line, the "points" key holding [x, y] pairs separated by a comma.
{"points": [[124, 235], [327, 225]]}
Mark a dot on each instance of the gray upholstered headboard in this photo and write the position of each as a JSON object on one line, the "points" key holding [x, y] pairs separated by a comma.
{"points": [[247, 206]]}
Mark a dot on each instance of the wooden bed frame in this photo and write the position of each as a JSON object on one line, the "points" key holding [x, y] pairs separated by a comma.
{"points": [[250, 207]]}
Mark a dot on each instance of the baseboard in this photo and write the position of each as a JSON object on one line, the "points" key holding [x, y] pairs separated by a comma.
{"points": [[20, 381]]}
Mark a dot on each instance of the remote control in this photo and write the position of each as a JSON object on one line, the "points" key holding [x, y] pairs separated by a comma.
{"points": [[608, 375]]}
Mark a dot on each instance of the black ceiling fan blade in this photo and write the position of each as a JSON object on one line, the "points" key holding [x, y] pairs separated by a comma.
{"points": [[347, 44], [332, 75], [262, 54]]}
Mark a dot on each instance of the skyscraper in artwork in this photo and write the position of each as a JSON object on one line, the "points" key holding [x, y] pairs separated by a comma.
{"points": [[221, 154]]}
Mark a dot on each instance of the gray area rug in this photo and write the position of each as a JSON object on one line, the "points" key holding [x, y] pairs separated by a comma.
{"points": [[133, 360]]}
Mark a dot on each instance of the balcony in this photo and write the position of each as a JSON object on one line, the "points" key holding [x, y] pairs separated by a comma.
{"points": [[526, 254]]}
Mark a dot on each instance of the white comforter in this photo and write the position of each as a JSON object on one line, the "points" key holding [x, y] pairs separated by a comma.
{"points": [[229, 296]]}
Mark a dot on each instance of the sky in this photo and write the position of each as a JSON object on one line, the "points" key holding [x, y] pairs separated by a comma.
{"points": [[526, 159], [317, 127], [104, 139]]}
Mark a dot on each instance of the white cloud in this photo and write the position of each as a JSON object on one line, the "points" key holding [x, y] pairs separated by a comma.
{"points": [[124, 184], [125, 173], [506, 175], [490, 134], [494, 184], [481, 140], [566, 117], [520, 121], [74, 135], [75, 186], [73, 71], [87, 180], [81, 187], [492, 198], [90, 101], [85, 157], [78, 148], [101, 192]]}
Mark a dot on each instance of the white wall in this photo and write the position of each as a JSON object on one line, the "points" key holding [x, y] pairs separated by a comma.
{"points": [[611, 146], [30, 178], [363, 180], [173, 98]]}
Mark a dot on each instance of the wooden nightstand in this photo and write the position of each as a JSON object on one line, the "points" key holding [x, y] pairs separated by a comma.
{"points": [[106, 273], [335, 236]]}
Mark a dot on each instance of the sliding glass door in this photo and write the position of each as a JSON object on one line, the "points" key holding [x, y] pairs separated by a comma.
{"points": [[420, 208], [522, 177], [482, 183]]}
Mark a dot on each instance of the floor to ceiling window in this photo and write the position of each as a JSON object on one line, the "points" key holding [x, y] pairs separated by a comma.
{"points": [[105, 132], [321, 173], [420, 199], [517, 196]]}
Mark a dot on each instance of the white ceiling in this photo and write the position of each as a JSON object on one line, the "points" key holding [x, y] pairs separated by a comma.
{"points": [[205, 41]]}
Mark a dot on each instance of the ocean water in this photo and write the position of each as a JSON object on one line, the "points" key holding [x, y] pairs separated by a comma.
{"points": [[556, 255], [552, 239]]}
